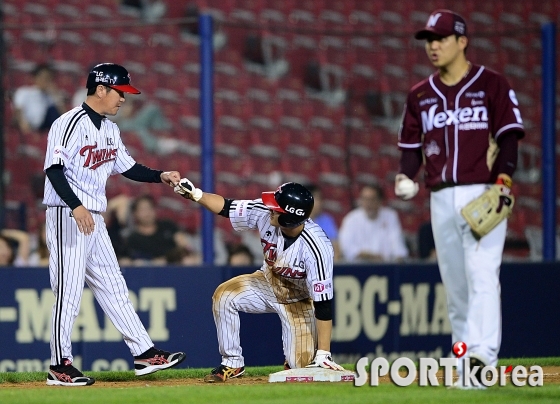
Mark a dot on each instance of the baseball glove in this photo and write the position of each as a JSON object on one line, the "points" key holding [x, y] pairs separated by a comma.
{"points": [[489, 209]]}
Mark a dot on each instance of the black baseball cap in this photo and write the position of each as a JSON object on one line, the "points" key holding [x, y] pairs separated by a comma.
{"points": [[111, 75], [443, 23]]}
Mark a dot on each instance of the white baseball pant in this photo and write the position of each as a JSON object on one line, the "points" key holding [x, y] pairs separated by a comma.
{"points": [[470, 270]]}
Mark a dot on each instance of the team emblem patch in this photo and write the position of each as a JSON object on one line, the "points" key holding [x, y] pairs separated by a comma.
{"points": [[432, 149]]}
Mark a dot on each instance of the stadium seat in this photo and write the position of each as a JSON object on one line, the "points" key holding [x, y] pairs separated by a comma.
{"points": [[305, 166], [252, 110], [272, 16]]}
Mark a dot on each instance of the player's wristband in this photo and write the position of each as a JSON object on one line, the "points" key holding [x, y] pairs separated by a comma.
{"points": [[225, 210], [504, 181]]}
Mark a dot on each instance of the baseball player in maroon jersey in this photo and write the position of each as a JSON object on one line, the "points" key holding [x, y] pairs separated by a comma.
{"points": [[295, 280], [464, 122], [83, 149]]}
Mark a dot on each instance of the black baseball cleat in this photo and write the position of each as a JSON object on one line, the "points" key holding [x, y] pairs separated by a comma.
{"points": [[222, 373], [286, 365], [155, 359], [475, 361], [67, 375]]}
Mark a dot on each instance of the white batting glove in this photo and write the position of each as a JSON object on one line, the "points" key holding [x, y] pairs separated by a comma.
{"points": [[324, 360], [187, 190], [405, 188]]}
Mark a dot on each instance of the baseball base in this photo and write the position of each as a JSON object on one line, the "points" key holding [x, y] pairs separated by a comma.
{"points": [[306, 375]]}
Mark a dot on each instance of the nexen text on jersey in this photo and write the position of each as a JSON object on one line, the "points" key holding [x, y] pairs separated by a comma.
{"points": [[449, 117]]}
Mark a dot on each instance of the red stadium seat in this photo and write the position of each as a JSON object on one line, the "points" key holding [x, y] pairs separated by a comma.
{"points": [[277, 116]]}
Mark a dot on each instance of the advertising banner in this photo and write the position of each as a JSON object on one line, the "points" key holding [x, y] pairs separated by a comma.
{"points": [[382, 310]]}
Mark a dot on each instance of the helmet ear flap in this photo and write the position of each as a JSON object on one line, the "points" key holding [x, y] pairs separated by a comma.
{"points": [[284, 220]]}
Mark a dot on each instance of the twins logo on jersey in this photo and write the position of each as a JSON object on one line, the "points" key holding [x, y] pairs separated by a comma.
{"points": [[271, 255], [288, 272], [270, 252], [96, 158]]}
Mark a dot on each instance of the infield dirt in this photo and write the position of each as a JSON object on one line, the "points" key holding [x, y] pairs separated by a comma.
{"points": [[551, 376]]}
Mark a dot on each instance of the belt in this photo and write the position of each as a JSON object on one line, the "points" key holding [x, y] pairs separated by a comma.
{"points": [[67, 207], [444, 185]]}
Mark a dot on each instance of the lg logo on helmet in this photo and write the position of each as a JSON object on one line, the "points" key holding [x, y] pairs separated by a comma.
{"points": [[291, 209], [101, 77]]}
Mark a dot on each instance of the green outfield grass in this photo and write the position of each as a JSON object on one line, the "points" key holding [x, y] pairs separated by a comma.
{"points": [[304, 393]]}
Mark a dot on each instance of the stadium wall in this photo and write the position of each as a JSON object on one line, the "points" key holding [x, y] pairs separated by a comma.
{"points": [[384, 310]]}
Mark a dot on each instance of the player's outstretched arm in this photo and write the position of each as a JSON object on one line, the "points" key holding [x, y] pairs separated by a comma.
{"points": [[323, 357], [213, 202]]}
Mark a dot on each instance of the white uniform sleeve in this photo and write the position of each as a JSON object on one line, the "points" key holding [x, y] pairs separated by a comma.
{"points": [[246, 215], [124, 160], [61, 150], [319, 265]]}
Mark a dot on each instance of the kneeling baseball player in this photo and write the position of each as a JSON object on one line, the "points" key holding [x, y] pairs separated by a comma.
{"points": [[295, 280]]}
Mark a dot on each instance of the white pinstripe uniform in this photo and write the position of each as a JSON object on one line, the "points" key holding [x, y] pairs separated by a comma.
{"points": [[89, 156], [286, 284]]}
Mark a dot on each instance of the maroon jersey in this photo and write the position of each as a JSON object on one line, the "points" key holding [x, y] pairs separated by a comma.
{"points": [[453, 125]]}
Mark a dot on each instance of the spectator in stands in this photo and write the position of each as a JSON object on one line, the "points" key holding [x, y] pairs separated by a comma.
{"points": [[426, 244], [80, 95], [264, 54], [149, 11], [117, 220], [253, 51], [312, 77], [324, 219], [14, 248], [220, 249], [190, 26], [189, 29], [37, 184], [39, 257], [183, 256], [7, 254], [240, 255], [372, 232], [143, 118], [38, 105], [151, 239], [252, 240], [324, 81]]}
